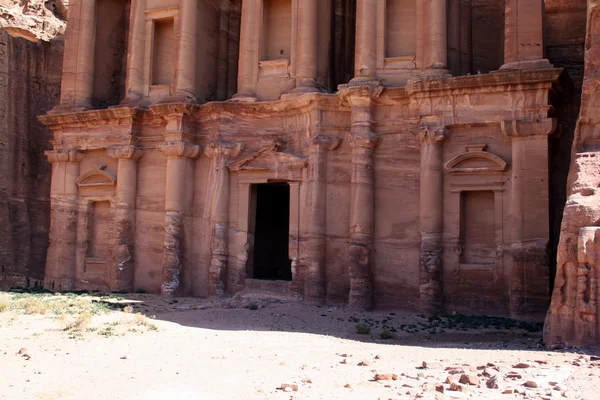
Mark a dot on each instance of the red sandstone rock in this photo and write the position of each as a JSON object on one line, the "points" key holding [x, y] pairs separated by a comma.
{"points": [[469, 379], [386, 377]]}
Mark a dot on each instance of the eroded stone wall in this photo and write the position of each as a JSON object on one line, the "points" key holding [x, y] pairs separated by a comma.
{"points": [[30, 75], [573, 315]]}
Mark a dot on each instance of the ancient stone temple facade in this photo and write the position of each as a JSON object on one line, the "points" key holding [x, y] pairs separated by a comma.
{"points": [[372, 152]]}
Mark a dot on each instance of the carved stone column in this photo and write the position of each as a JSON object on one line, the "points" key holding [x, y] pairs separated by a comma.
{"points": [[134, 83], [78, 65], [363, 141], [307, 47], [178, 155], [122, 272], [524, 35], [529, 284], [248, 61], [185, 63], [432, 37], [432, 221], [221, 152], [315, 286], [365, 65], [61, 266]]}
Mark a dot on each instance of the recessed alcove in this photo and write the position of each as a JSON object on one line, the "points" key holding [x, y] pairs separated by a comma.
{"points": [[110, 55], [400, 28], [276, 37], [163, 52]]}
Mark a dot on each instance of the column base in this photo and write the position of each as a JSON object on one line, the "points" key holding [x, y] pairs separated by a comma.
{"points": [[525, 65], [180, 98], [70, 108], [133, 103], [299, 91], [244, 97]]}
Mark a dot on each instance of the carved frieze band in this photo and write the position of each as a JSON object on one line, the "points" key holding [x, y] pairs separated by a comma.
{"points": [[127, 152], [64, 155], [180, 149]]}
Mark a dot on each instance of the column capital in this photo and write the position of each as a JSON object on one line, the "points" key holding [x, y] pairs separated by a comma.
{"points": [[520, 128], [322, 142], [224, 149], [365, 140], [180, 150], [360, 91], [429, 135], [64, 155], [126, 152]]}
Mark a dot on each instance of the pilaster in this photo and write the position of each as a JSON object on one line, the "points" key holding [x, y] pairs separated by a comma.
{"points": [[315, 286], [431, 220], [363, 141], [78, 65], [64, 208], [221, 152], [530, 206], [248, 59], [179, 154], [122, 272], [524, 35]]}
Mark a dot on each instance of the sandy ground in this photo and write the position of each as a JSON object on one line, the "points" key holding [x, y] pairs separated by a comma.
{"points": [[226, 349]]}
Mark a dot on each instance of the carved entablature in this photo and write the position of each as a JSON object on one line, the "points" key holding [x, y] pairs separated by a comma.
{"points": [[98, 177], [476, 161]]}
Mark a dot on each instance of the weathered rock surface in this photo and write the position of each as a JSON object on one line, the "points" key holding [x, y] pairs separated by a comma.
{"points": [[34, 19], [30, 75], [573, 315]]}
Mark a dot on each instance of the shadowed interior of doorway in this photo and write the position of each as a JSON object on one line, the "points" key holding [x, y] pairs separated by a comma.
{"points": [[271, 243]]}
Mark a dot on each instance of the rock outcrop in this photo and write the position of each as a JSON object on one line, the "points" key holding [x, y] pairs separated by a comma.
{"points": [[30, 76], [573, 315]]}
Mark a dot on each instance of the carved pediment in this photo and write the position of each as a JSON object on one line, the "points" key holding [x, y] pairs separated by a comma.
{"points": [[269, 160], [476, 161], [97, 177]]}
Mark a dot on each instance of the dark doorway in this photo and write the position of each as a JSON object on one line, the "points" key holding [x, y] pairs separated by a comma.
{"points": [[271, 235]]}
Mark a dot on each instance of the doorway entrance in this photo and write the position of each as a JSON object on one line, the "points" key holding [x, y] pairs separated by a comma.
{"points": [[271, 235]]}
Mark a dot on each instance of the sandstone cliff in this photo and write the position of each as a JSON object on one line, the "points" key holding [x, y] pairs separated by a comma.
{"points": [[30, 74], [573, 316]]}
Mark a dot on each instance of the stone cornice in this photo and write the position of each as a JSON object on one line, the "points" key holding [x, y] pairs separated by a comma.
{"points": [[87, 117], [490, 81]]}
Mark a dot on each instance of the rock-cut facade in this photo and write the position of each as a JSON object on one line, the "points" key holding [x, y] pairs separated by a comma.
{"points": [[378, 153]]}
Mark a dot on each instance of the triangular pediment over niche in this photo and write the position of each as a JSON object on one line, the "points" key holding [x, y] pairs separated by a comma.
{"points": [[476, 161], [97, 177], [269, 160]]}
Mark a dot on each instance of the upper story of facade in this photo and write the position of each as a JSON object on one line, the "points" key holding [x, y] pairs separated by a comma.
{"points": [[136, 53]]}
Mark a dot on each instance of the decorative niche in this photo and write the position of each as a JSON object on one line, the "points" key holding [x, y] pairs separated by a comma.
{"points": [[475, 214], [397, 47]]}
